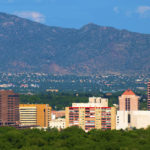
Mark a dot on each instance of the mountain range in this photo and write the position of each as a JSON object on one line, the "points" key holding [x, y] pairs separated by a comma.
{"points": [[27, 46]]}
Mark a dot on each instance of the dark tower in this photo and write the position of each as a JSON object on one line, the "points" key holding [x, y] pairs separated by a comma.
{"points": [[9, 108]]}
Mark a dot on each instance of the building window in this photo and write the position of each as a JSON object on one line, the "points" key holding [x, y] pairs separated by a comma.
{"points": [[127, 104], [129, 118]]}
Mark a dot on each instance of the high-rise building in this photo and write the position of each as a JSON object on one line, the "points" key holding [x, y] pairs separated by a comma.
{"points": [[35, 114], [128, 101], [9, 108], [148, 95], [91, 117]]}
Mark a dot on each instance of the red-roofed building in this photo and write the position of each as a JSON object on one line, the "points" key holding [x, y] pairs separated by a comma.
{"points": [[128, 101]]}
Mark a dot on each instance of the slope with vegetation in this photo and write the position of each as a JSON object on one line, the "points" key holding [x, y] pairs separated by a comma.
{"points": [[28, 46]]}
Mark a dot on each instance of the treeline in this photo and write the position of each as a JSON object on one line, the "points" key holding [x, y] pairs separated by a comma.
{"points": [[73, 138], [59, 101]]}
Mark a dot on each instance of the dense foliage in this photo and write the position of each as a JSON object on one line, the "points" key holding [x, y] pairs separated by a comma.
{"points": [[73, 138], [61, 100], [55, 100]]}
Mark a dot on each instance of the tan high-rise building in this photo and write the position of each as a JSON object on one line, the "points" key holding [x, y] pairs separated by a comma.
{"points": [[148, 95], [35, 114], [91, 117], [9, 108], [128, 101]]}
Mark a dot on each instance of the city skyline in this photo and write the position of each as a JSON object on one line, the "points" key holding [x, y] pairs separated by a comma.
{"points": [[74, 74]]}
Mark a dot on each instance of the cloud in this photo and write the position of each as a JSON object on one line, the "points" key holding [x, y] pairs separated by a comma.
{"points": [[35, 16], [116, 9], [143, 11]]}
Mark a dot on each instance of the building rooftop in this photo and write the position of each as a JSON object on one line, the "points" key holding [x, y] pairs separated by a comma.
{"points": [[128, 92]]}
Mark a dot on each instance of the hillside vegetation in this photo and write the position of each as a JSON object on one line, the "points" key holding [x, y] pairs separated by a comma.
{"points": [[28, 46]]}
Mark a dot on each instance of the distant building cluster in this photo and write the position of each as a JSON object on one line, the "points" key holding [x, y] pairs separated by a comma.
{"points": [[41, 82], [96, 114]]}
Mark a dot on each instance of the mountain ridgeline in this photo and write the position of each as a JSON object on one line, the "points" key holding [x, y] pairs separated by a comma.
{"points": [[27, 46]]}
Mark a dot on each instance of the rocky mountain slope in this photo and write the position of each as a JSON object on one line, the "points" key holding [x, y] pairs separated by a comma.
{"points": [[27, 46]]}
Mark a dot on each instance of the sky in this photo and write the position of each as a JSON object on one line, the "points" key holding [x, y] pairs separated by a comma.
{"points": [[132, 15]]}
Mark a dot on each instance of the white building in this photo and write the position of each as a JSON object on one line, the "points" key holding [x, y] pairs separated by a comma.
{"points": [[131, 119], [57, 123], [53, 116], [93, 102]]}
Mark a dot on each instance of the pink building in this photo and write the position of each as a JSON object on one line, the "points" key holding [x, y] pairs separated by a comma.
{"points": [[128, 101], [58, 114]]}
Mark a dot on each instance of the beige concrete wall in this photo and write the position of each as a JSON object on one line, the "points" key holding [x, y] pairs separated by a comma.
{"points": [[139, 119], [82, 118], [67, 116], [113, 117], [98, 118], [122, 120]]}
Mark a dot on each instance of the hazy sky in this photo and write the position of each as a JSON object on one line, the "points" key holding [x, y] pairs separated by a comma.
{"points": [[133, 15]]}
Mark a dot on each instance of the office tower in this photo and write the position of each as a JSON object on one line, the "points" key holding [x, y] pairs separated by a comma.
{"points": [[9, 108], [148, 95], [128, 101], [91, 117], [35, 114]]}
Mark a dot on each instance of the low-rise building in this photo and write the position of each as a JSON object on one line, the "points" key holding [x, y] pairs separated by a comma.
{"points": [[58, 123], [58, 114]]}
